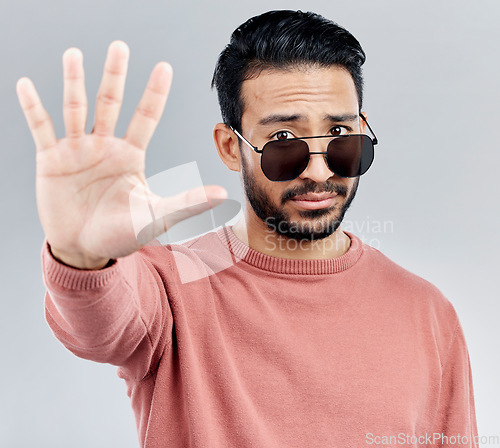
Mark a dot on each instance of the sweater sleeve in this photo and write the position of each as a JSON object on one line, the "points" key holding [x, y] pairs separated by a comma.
{"points": [[456, 412], [118, 315]]}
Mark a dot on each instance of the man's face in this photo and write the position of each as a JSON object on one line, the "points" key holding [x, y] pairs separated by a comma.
{"points": [[281, 104]]}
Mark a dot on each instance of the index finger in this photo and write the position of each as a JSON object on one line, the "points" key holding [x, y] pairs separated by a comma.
{"points": [[150, 108], [37, 117]]}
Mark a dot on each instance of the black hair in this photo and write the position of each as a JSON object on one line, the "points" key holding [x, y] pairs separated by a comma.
{"points": [[281, 40]]}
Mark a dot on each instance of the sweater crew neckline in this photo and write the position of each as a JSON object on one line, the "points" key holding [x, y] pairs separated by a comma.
{"points": [[242, 252]]}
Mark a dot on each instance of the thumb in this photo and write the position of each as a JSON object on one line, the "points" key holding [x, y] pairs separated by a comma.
{"points": [[164, 213], [189, 203]]}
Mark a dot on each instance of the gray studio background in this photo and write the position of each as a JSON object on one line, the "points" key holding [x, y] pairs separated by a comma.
{"points": [[430, 201]]}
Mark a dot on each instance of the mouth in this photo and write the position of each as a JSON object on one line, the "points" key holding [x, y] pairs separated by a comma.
{"points": [[314, 201]]}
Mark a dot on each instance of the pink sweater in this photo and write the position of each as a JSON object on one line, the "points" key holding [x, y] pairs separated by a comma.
{"points": [[235, 348]]}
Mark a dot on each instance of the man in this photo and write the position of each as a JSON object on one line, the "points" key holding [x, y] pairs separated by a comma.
{"points": [[282, 331]]}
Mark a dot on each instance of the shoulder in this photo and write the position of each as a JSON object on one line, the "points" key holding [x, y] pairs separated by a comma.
{"points": [[395, 276], [197, 258], [409, 290], [411, 299]]}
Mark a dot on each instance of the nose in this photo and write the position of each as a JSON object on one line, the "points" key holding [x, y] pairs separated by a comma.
{"points": [[317, 169]]}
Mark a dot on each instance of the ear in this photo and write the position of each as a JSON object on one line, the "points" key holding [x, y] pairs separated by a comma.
{"points": [[362, 123], [227, 144]]}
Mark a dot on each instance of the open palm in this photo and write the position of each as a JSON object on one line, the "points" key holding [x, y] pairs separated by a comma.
{"points": [[86, 183]]}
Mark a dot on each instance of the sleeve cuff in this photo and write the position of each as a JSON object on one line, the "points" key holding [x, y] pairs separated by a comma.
{"points": [[59, 274]]}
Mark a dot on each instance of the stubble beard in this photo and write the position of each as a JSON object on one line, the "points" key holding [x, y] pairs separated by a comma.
{"points": [[317, 225]]}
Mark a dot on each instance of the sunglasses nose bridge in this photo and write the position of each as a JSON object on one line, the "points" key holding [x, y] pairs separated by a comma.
{"points": [[317, 145], [317, 168]]}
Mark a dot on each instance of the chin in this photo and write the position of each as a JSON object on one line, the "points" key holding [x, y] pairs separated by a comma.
{"points": [[310, 229]]}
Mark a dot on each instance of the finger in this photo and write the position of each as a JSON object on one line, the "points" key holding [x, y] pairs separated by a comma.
{"points": [[75, 98], [148, 112], [37, 117], [110, 94], [153, 215], [188, 203]]}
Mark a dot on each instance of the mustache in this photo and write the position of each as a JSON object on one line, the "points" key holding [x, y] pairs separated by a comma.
{"points": [[313, 187]]}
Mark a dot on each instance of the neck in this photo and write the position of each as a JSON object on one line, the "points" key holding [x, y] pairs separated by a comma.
{"points": [[252, 231]]}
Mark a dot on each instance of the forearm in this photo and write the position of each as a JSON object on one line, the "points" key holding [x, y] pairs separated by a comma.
{"points": [[102, 315]]}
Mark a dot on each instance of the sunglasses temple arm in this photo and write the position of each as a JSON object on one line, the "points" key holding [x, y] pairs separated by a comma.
{"points": [[375, 140], [245, 140]]}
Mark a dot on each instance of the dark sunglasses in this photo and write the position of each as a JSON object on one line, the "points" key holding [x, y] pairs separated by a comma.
{"points": [[346, 155]]}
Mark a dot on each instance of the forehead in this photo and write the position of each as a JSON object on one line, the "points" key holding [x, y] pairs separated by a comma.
{"points": [[306, 90]]}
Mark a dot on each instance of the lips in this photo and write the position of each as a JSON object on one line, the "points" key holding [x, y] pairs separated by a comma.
{"points": [[314, 201], [314, 196]]}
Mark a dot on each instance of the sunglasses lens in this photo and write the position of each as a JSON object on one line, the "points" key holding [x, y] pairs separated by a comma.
{"points": [[350, 155], [284, 160]]}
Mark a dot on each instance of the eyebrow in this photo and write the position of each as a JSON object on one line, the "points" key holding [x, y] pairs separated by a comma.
{"points": [[342, 118], [278, 118]]}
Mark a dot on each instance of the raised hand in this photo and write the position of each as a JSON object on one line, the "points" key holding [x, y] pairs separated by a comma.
{"points": [[85, 182]]}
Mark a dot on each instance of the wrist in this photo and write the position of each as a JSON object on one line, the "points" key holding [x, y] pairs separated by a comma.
{"points": [[79, 261]]}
